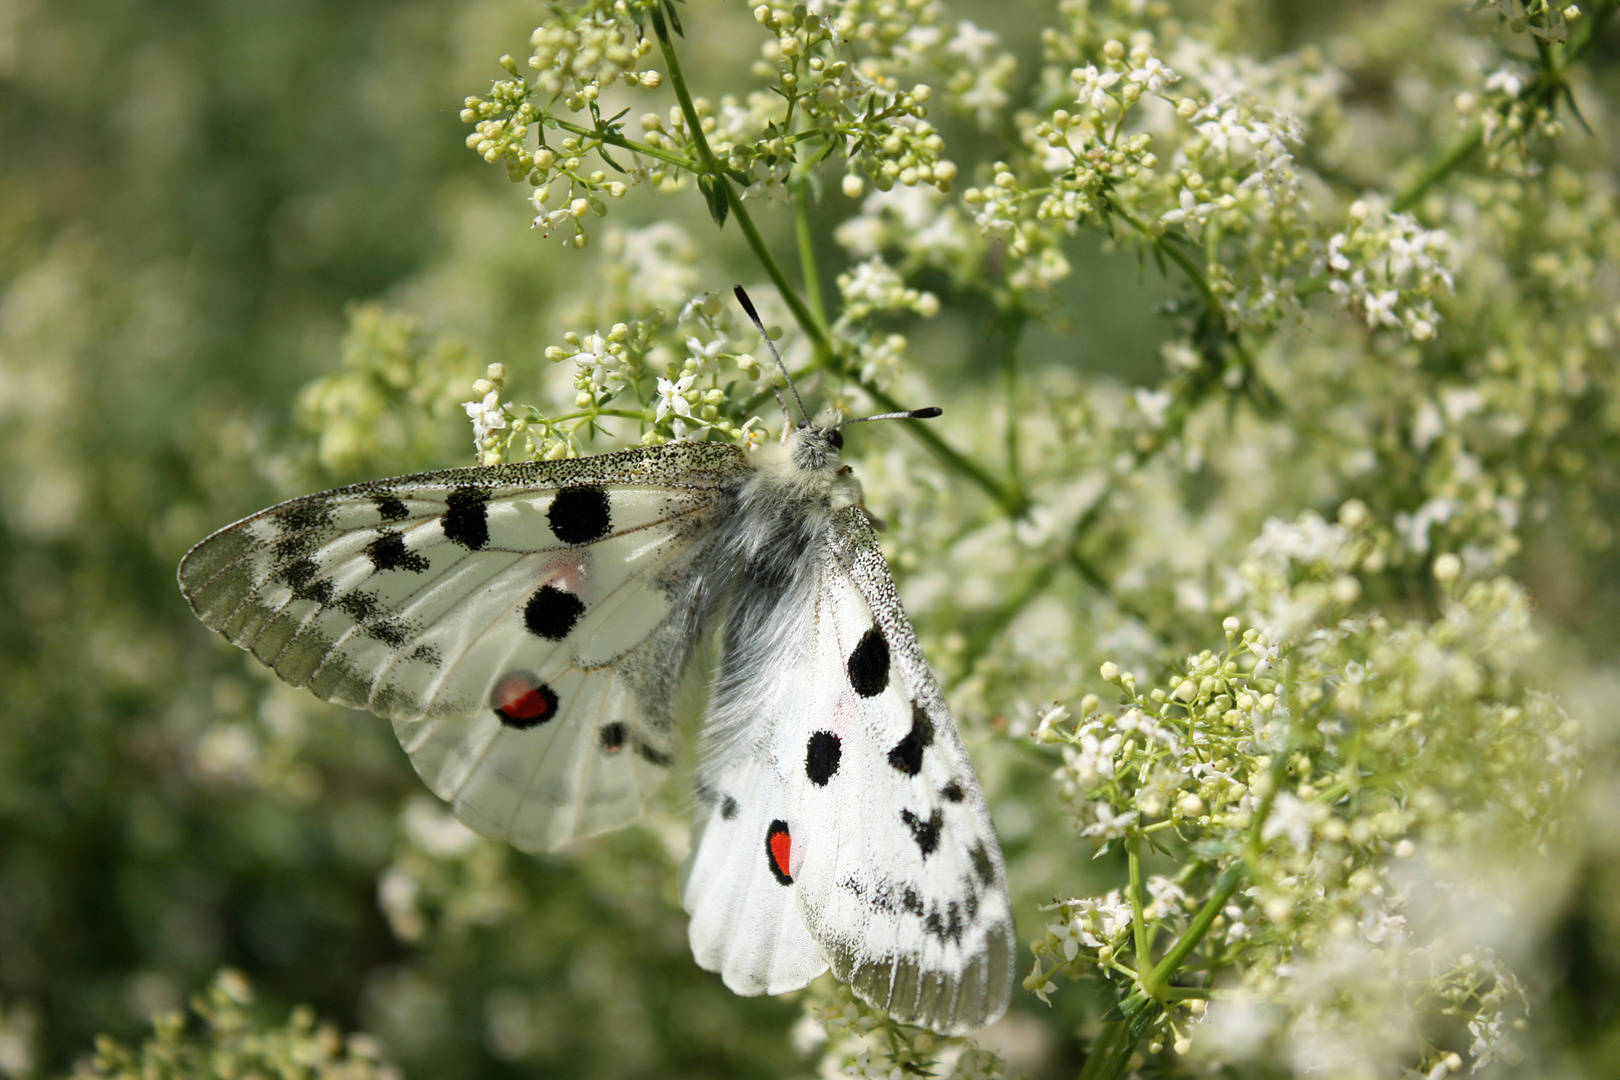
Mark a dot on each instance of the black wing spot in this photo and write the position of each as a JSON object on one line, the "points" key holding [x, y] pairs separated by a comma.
{"points": [[388, 552], [728, 808], [926, 833], [428, 655], [579, 515], [293, 547], [821, 757], [467, 520], [302, 578], [613, 737], [907, 754], [868, 665], [552, 613], [952, 792], [358, 606], [312, 512], [983, 865], [947, 927], [779, 851], [390, 632], [390, 508], [652, 755]]}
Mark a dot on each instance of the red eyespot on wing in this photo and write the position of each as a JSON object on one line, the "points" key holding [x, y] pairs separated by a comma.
{"points": [[778, 850], [523, 701]]}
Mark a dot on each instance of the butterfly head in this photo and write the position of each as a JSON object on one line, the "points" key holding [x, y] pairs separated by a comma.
{"points": [[814, 444]]}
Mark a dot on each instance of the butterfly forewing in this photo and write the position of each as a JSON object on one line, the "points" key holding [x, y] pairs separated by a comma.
{"points": [[514, 622]]}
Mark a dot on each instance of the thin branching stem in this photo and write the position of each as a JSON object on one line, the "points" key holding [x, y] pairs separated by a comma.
{"points": [[806, 237]]}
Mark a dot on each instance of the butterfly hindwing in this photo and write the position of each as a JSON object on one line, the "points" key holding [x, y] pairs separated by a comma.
{"points": [[745, 921], [514, 622], [901, 879]]}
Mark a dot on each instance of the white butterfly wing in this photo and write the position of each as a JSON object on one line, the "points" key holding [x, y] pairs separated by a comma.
{"points": [[745, 921], [898, 870], [514, 622], [840, 819]]}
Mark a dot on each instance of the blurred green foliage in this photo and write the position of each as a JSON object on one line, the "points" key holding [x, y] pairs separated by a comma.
{"points": [[245, 254]]}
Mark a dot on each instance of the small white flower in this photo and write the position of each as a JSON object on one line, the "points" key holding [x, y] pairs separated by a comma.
{"points": [[1055, 713], [1109, 825], [1191, 213], [1154, 405], [487, 415], [705, 354], [1094, 85], [972, 44], [1153, 74], [672, 397], [1094, 761], [1506, 80], [1068, 937], [1292, 817]]}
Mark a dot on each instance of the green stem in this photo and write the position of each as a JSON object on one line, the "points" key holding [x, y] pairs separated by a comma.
{"points": [[707, 162], [709, 167], [1159, 977], [1012, 331], [615, 139], [1443, 166], [827, 353], [807, 246], [1194, 272], [1110, 1053], [1227, 884], [1139, 930], [593, 413]]}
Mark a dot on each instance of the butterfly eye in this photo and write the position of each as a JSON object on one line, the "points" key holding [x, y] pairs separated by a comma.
{"points": [[835, 439]]}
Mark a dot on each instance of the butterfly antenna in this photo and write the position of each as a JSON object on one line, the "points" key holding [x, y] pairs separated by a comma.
{"points": [[910, 414], [748, 306]]}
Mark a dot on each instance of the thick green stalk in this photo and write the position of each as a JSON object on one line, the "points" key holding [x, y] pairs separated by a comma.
{"points": [[1159, 977], [1139, 931], [1111, 1052]]}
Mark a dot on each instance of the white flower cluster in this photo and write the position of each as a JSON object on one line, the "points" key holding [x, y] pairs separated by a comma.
{"points": [[1388, 269], [873, 286], [1259, 749], [860, 105], [580, 51], [488, 415], [924, 226]]}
